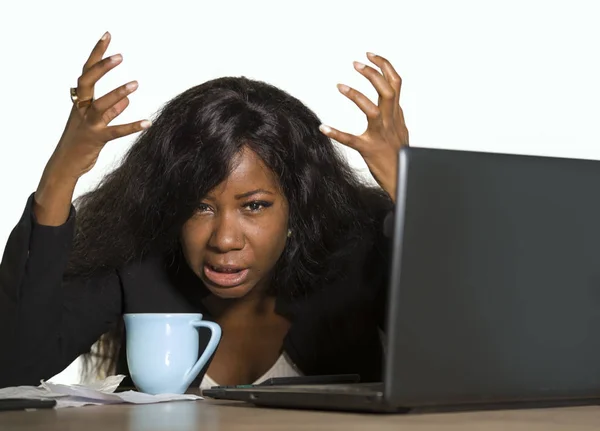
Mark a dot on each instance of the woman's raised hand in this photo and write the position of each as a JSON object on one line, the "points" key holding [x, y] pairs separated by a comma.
{"points": [[86, 133]]}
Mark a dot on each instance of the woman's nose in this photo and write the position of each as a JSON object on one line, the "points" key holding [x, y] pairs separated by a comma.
{"points": [[227, 234]]}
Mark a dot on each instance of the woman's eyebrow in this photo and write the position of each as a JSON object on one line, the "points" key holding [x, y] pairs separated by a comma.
{"points": [[253, 192]]}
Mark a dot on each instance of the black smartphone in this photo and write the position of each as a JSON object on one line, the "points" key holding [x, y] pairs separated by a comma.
{"points": [[25, 404]]}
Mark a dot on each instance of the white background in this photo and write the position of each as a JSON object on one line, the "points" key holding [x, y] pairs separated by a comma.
{"points": [[516, 76]]}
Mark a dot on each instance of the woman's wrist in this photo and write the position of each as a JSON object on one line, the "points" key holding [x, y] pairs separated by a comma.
{"points": [[52, 199]]}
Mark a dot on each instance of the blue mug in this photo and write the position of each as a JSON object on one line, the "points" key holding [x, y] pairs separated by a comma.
{"points": [[162, 350]]}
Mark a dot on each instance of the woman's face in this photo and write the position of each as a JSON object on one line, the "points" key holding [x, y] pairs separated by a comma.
{"points": [[239, 231]]}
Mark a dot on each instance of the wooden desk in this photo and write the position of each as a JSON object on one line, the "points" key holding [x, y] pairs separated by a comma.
{"points": [[218, 416]]}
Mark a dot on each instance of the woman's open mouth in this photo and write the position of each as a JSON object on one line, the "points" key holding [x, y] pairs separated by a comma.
{"points": [[225, 276]]}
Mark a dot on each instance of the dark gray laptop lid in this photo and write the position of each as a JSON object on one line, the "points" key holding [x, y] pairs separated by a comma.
{"points": [[495, 292]]}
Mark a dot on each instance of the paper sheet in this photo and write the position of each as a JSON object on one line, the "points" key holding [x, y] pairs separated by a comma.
{"points": [[100, 392]]}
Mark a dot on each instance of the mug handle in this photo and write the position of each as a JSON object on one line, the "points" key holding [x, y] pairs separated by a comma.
{"points": [[215, 337]]}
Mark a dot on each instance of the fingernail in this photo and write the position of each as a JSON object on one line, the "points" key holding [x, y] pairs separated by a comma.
{"points": [[370, 54], [359, 66], [132, 85], [343, 88], [104, 36], [145, 124], [116, 58], [325, 129]]}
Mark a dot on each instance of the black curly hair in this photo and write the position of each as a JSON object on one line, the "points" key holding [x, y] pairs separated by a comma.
{"points": [[141, 206]]}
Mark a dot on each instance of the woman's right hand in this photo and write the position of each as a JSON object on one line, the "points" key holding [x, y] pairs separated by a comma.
{"points": [[87, 129], [85, 134]]}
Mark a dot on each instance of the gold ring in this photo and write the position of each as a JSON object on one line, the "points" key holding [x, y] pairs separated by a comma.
{"points": [[79, 103]]}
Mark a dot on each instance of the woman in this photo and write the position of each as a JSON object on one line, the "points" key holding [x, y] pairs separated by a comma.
{"points": [[233, 203]]}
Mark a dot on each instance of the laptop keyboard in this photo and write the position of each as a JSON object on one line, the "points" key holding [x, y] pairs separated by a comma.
{"points": [[351, 388]]}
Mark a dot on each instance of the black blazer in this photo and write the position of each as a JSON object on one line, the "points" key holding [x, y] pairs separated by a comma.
{"points": [[47, 321]]}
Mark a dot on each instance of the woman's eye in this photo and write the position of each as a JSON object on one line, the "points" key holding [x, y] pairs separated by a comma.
{"points": [[203, 208], [257, 206]]}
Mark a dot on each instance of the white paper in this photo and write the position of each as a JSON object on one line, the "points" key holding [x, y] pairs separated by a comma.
{"points": [[100, 392]]}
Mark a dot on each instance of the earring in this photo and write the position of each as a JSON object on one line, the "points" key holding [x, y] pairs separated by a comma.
{"points": [[289, 234]]}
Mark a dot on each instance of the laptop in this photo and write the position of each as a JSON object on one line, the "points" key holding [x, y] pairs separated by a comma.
{"points": [[494, 294]]}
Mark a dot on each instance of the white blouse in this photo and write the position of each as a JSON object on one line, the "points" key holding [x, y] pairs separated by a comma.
{"points": [[283, 367]]}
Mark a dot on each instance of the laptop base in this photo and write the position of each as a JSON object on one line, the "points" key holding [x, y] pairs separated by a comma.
{"points": [[369, 398], [359, 397]]}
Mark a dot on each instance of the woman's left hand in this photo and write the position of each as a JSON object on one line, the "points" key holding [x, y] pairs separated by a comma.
{"points": [[386, 132]]}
